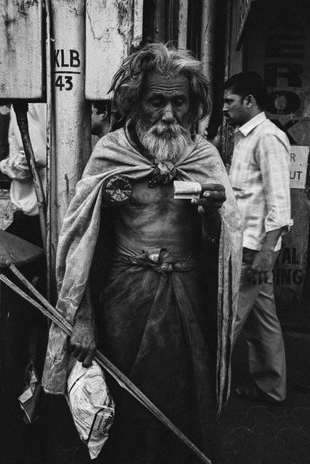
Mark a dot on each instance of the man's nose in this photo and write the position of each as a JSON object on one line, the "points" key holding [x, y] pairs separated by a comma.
{"points": [[167, 115]]}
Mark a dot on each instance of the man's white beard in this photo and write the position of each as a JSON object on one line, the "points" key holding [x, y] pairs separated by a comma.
{"points": [[164, 142]]}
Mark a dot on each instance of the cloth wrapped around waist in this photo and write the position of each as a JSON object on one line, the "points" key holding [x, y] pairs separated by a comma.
{"points": [[158, 259], [153, 319]]}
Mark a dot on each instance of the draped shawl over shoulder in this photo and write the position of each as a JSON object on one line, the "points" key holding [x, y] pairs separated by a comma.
{"points": [[116, 154]]}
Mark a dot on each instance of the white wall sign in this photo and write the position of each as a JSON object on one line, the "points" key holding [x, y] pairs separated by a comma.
{"points": [[298, 166]]}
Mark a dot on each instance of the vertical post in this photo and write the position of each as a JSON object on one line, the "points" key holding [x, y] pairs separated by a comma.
{"points": [[71, 128], [207, 45], [207, 36], [160, 10], [183, 14], [234, 52], [49, 148], [232, 58], [137, 23], [228, 32]]}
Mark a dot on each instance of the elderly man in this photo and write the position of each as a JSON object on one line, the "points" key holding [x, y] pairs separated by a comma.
{"points": [[150, 303]]}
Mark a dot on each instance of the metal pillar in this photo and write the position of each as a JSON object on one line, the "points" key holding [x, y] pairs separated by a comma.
{"points": [[70, 134]]}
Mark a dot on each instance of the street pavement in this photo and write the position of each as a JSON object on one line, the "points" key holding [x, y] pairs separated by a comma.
{"points": [[251, 432]]}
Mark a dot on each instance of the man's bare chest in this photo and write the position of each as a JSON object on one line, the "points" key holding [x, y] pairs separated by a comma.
{"points": [[155, 205]]}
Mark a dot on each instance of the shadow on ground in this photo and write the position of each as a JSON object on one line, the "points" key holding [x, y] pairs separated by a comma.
{"points": [[256, 433]]}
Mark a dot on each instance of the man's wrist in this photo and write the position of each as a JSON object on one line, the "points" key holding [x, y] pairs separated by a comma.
{"points": [[269, 244], [268, 247], [212, 227], [271, 239], [211, 211]]}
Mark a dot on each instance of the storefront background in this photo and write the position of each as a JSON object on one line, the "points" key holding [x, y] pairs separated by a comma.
{"points": [[273, 38]]}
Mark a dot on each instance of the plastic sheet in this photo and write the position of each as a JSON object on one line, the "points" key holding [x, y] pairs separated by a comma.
{"points": [[91, 405]]}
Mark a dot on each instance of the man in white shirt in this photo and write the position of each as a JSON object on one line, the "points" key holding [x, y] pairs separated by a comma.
{"points": [[26, 223], [260, 178]]}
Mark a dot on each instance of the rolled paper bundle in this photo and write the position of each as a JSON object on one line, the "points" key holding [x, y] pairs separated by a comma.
{"points": [[116, 189], [185, 190]]}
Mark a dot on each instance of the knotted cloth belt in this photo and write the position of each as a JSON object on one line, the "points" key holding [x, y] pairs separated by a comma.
{"points": [[160, 260]]}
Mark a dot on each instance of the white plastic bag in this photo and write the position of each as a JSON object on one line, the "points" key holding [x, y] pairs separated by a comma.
{"points": [[91, 405]]}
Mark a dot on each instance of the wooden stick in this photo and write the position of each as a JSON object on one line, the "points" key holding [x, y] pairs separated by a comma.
{"points": [[122, 380], [39, 296], [50, 151], [21, 116], [28, 298]]}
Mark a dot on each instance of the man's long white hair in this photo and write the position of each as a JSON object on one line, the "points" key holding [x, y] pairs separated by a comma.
{"points": [[128, 82]]}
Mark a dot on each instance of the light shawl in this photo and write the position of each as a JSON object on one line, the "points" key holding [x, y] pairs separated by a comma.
{"points": [[116, 154]]}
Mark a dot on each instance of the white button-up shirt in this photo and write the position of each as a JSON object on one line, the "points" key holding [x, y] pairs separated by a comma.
{"points": [[261, 181], [15, 166]]}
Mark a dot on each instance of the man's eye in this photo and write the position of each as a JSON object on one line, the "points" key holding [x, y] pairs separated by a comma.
{"points": [[157, 102], [178, 101]]}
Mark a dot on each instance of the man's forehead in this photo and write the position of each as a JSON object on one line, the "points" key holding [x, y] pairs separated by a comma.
{"points": [[229, 93], [166, 84]]}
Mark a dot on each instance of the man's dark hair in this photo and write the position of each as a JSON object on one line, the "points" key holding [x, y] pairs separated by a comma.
{"points": [[248, 83], [164, 60]]}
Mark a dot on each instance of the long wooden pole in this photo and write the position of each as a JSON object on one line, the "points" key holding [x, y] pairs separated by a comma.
{"points": [[50, 151]]}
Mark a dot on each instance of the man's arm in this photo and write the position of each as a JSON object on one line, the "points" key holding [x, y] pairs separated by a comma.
{"points": [[264, 259], [83, 337], [15, 166], [273, 159]]}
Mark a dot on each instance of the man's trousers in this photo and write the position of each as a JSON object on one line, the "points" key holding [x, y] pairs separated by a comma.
{"points": [[258, 321]]}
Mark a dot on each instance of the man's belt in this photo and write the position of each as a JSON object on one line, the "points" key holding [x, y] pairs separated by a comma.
{"points": [[159, 260]]}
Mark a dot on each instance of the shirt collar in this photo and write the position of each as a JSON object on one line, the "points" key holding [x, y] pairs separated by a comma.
{"points": [[251, 124]]}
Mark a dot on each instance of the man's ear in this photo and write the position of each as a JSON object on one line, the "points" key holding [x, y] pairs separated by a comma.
{"points": [[104, 115], [250, 101]]}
